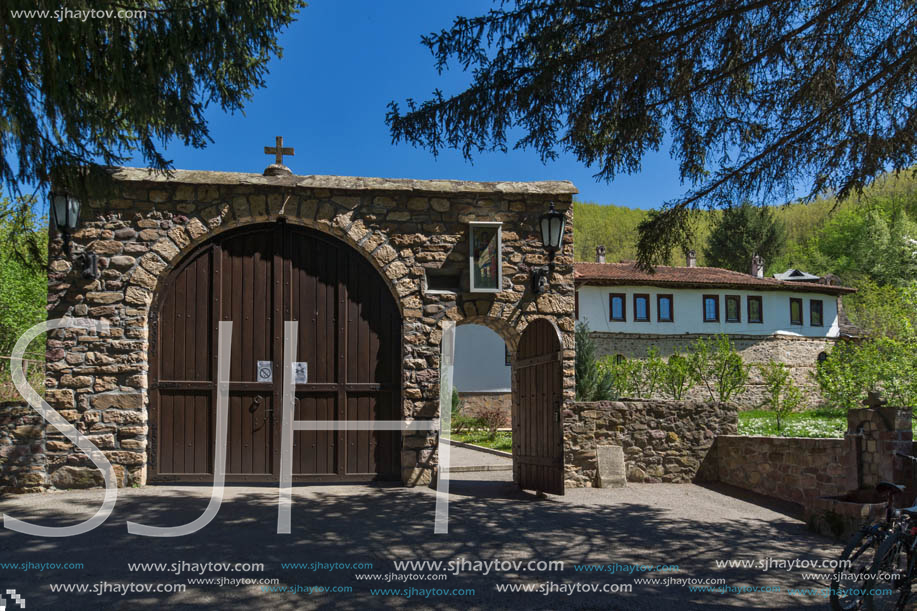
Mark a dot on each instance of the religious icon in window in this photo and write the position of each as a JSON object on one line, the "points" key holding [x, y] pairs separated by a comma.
{"points": [[485, 258]]}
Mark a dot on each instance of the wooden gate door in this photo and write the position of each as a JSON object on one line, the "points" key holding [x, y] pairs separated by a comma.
{"points": [[538, 431], [349, 346]]}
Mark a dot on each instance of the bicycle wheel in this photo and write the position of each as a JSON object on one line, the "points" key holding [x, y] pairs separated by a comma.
{"points": [[888, 583], [848, 580]]}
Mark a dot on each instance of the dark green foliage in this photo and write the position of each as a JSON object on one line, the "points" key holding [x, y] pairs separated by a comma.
{"points": [[756, 97], [75, 92], [23, 284], [739, 233], [23, 290], [593, 383]]}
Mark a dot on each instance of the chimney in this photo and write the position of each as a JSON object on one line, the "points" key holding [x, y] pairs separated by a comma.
{"points": [[691, 255], [599, 254], [757, 266]]}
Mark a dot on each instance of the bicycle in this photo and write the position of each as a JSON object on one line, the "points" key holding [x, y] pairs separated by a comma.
{"points": [[888, 582], [847, 582]]}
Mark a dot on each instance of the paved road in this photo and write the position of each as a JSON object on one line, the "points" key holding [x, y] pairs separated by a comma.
{"points": [[682, 525], [465, 458]]}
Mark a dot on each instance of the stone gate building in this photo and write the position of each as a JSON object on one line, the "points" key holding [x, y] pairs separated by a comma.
{"points": [[370, 268]]}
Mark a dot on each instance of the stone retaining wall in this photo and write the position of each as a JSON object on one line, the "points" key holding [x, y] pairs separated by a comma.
{"points": [[799, 354], [792, 469], [474, 402], [663, 441], [23, 465]]}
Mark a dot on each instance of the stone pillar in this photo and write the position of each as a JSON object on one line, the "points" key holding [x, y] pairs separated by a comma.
{"points": [[23, 463], [879, 433]]}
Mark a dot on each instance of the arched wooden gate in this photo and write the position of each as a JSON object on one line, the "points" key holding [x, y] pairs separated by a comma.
{"points": [[349, 338], [538, 429]]}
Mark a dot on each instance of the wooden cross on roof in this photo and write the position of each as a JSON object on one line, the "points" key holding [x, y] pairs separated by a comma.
{"points": [[278, 150]]}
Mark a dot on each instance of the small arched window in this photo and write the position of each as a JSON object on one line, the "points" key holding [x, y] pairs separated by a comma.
{"points": [[822, 357], [619, 358]]}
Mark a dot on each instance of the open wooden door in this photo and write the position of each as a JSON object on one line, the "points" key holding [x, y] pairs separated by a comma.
{"points": [[538, 446]]}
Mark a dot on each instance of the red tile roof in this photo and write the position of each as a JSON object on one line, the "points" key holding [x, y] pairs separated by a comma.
{"points": [[691, 277]]}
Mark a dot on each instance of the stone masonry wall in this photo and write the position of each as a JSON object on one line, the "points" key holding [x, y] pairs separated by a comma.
{"points": [[474, 402], [800, 354], [22, 449], [788, 468], [142, 224], [663, 441]]}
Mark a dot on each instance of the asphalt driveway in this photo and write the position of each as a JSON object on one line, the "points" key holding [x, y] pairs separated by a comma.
{"points": [[683, 526]]}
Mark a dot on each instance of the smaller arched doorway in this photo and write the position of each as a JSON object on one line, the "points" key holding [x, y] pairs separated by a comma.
{"points": [[538, 442]]}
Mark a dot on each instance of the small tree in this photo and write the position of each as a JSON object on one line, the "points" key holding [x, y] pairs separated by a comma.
{"points": [[783, 396], [593, 383], [653, 372], [847, 374], [456, 402], [624, 376], [731, 371], [634, 373], [492, 418], [700, 364], [718, 365], [676, 377]]}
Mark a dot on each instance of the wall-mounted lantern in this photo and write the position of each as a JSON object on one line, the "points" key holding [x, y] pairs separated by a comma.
{"points": [[552, 224], [65, 212]]}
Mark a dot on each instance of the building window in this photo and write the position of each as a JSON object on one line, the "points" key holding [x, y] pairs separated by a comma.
{"points": [[795, 311], [642, 308], [576, 305], [619, 359], [733, 308], [815, 312], [822, 357], [617, 306], [664, 308], [755, 309], [711, 308]]}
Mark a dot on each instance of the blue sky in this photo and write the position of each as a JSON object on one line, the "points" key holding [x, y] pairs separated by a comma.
{"points": [[344, 60]]}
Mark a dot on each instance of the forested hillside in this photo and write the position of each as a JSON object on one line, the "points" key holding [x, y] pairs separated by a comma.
{"points": [[815, 231]]}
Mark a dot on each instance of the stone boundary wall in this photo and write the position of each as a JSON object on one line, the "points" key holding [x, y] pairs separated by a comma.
{"points": [[23, 464], [663, 441], [800, 354], [792, 469], [473, 402]]}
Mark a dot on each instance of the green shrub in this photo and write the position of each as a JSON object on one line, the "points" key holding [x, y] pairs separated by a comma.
{"points": [[653, 372], [719, 367], [783, 396], [881, 365], [676, 377]]}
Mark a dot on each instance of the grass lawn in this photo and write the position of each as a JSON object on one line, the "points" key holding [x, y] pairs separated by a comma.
{"points": [[810, 423], [503, 441]]}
